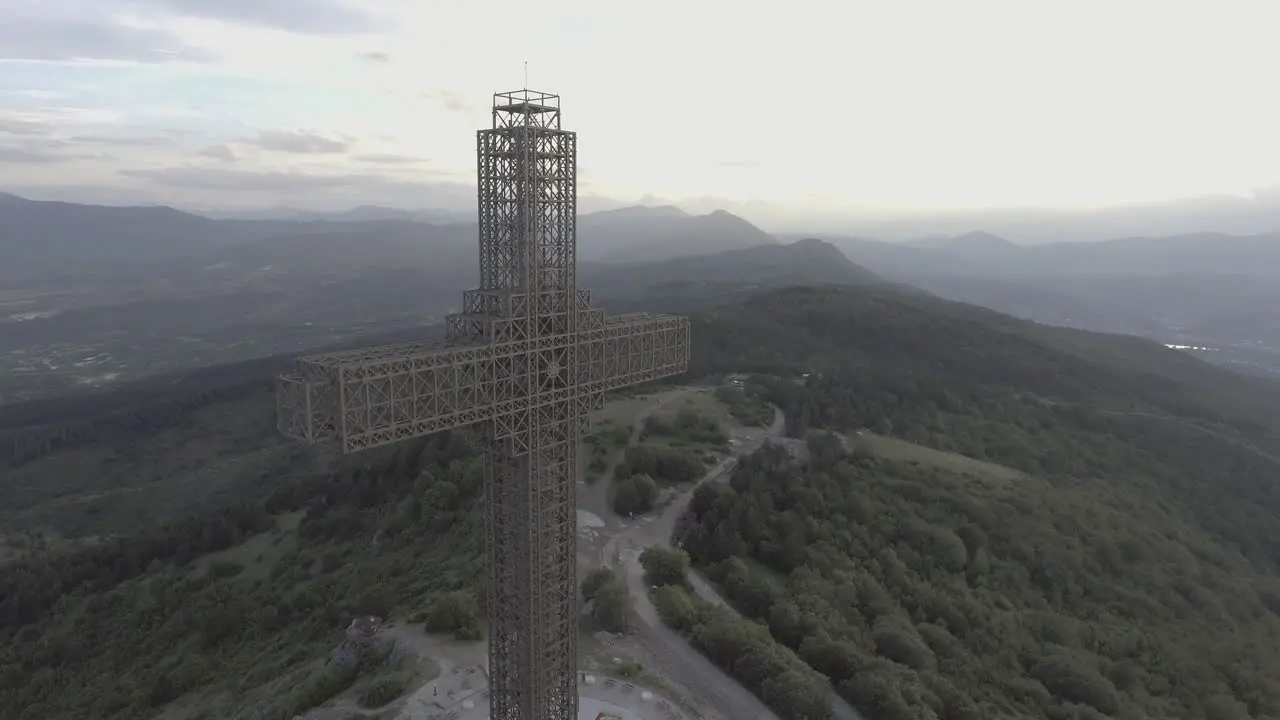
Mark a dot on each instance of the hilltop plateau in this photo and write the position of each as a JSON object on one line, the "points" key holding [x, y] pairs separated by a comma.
{"points": [[1023, 521]]}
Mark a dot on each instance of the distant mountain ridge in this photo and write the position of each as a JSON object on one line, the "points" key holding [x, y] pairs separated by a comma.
{"points": [[1201, 290], [45, 236], [982, 253], [978, 239], [73, 271], [45, 233], [641, 212], [640, 234], [229, 289], [362, 213], [1227, 214], [706, 279], [56, 238]]}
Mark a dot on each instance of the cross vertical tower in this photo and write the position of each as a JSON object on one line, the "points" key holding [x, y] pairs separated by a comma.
{"points": [[527, 210], [527, 359]]}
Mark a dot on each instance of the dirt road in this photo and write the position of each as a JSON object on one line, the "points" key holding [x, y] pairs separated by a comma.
{"points": [[722, 695], [840, 710], [623, 550], [594, 498]]}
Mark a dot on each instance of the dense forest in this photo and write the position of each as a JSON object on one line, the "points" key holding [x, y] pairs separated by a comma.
{"points": [[739, 645], [935, 374], [1127, 569], [921, 592], [163, 539], [233, 599]]}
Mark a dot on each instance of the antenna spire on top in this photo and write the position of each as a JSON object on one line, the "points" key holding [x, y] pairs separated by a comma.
{"points": [[526, 74]]}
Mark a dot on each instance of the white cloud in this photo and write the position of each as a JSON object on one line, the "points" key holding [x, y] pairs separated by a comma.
{"points": [[390, 159], [219, 152], [815, 107], [71, 30], [321, 17], [14, 123], [300, 142]]}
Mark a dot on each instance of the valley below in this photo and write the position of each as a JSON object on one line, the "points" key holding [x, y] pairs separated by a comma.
{"points": [[1225, 320], [919, 482]]}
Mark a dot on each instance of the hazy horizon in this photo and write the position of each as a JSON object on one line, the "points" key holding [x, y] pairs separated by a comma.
{"points": [[1232, 215], [932, 108]]}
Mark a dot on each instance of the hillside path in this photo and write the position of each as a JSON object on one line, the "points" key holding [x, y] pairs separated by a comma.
{"points": [[594, 497], [660, 532], [720, 694]]}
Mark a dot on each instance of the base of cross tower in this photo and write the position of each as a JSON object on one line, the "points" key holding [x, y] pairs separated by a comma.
{"points": [[531, 524]]}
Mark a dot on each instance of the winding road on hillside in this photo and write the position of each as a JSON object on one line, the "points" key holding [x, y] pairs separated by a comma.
{"points": [[595, 497], [676, 656], [722, 697]]}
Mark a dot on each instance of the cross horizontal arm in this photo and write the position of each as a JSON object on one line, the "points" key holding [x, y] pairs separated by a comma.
{"points": [[377, 396], [632, 349], [365, 398]]}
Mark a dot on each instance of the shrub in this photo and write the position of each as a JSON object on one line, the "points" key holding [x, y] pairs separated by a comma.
{"points": [[897, 640], [454, 612], [594, 581], [1072, 679], [634, 495], [612, 606], [381, 692], [664, 566]]}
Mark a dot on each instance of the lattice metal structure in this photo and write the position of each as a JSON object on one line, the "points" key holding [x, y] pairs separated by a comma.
{"points": [[526, 360]]}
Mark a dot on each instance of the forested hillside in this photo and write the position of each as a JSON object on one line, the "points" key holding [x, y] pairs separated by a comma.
{"points": [[1128, 568], [162, 539], [167, 542], [926, 593], [227, 603]]}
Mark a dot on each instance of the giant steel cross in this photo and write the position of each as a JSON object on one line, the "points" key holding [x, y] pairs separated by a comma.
{"points": [[526, 360]]}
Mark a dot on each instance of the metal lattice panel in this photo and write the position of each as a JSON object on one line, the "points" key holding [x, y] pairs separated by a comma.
{"points": [[527, 359]]}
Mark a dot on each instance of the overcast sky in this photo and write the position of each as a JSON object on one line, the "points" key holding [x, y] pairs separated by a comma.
{"points": [[798, 106]]}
